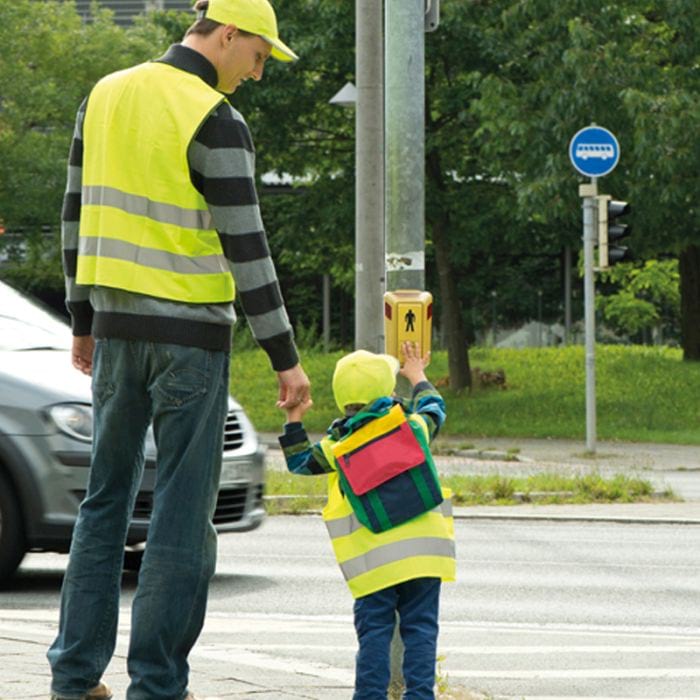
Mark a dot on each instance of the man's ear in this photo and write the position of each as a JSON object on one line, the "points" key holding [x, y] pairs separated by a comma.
{"points": [[228, 33]]}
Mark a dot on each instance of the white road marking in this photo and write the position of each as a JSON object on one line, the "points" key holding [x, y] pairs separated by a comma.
{"points": [[571, 673], [39, 626], [264, 661]]}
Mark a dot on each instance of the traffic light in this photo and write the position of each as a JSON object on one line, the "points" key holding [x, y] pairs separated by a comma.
{"points": [[610, 231]]}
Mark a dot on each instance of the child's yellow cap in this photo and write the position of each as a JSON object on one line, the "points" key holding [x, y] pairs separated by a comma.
{"points": [[363, 376]]}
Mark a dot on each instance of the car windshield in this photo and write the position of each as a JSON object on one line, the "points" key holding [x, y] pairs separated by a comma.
{"points": [[26, 324]]}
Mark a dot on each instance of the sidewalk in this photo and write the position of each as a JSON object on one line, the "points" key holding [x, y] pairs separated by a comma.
{"points": [[225, 673], [548, 452], [608, 454]]}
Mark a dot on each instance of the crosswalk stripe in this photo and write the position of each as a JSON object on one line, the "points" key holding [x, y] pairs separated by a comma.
{"points": [[573, 673]]}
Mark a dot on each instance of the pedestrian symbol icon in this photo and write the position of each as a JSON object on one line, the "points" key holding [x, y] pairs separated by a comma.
{"points": [[410, 319]]}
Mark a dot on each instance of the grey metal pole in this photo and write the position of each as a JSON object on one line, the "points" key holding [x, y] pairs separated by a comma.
{"points": [[494, 295], [404, 117], [326, 312], [405, 144], [567, 295], [590, 222], [369, 186]]}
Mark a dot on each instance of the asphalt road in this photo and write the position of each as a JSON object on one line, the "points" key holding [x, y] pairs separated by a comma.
{"points": [[541, 610]]}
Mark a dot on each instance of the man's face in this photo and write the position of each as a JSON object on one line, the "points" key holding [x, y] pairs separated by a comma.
{"points": [[243, 57]]}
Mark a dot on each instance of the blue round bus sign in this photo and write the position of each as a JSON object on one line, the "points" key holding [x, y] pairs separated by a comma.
{"points": [[594, 151]]}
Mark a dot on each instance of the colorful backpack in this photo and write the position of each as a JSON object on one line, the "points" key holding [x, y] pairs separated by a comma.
{"points": [[386, 470]]}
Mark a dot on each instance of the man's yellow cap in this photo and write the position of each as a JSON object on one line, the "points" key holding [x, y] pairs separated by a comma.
{"points": [[363, 376], [254, 16]]}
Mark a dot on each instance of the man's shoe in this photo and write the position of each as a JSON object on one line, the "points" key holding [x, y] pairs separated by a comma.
{"points": [[100, 692]]}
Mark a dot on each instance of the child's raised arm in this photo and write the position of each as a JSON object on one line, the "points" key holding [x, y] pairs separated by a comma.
{"points": [[414, 366], [426, 399]]}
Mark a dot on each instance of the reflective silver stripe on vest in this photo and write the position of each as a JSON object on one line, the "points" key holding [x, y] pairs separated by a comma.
{"points": [[445, 507], [143, 206], [395, 551], [150, 257], [341, 527]]}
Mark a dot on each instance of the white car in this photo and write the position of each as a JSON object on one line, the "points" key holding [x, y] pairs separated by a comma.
{"points": [[45, 442]]}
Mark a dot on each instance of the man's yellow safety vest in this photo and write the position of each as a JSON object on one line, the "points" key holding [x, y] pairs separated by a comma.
{"points": [[421, 547], [143, 225]]}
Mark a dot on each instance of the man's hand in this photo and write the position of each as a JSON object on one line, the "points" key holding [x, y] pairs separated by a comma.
{"points": [[81, 354], [295, 387]]}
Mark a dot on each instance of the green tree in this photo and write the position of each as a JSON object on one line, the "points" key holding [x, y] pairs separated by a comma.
{"points": [[665, 112], [645, 296], [629, 65], [49, 62], [483, 251]]}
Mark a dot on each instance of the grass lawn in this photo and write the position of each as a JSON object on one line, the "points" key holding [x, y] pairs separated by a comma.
{"points": [[644, 394], [496, 489]]}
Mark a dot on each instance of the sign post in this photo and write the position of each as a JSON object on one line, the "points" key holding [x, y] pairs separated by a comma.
{"points": [[594, 152]]}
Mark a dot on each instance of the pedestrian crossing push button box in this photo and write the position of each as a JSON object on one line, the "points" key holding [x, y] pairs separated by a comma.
{"points": [[408, 315]]}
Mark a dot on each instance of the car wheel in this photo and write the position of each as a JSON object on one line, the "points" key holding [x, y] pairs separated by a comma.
{"points": [[12, 541]]}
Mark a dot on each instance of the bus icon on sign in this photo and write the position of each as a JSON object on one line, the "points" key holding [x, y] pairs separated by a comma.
{"points": [[595, 150]]}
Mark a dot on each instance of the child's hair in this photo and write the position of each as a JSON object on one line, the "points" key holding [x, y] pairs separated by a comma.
{"points": [[352, 408]]}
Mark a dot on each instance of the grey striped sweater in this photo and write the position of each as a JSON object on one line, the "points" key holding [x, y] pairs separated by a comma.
{"points": [[222, 162]]}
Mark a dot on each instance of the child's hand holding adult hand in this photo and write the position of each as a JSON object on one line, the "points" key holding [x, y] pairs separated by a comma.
{"points": [[296, 413]]}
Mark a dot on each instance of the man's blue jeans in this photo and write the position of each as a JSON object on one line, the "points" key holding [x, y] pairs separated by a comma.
{"points": [[417, 602], [184, 391]]}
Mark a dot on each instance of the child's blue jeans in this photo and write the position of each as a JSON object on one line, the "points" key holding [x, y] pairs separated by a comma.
{"points": [[417, 602]]}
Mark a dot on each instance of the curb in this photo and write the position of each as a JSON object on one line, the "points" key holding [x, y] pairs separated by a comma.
{"points": [[461, 513], [636, 520], [486, 455]]}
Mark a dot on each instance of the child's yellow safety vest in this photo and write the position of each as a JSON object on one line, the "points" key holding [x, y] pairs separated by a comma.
{"points": [[387, 516]]}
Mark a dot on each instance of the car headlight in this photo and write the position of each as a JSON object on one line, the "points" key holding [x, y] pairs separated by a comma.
{"points": [[73, 419]]}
